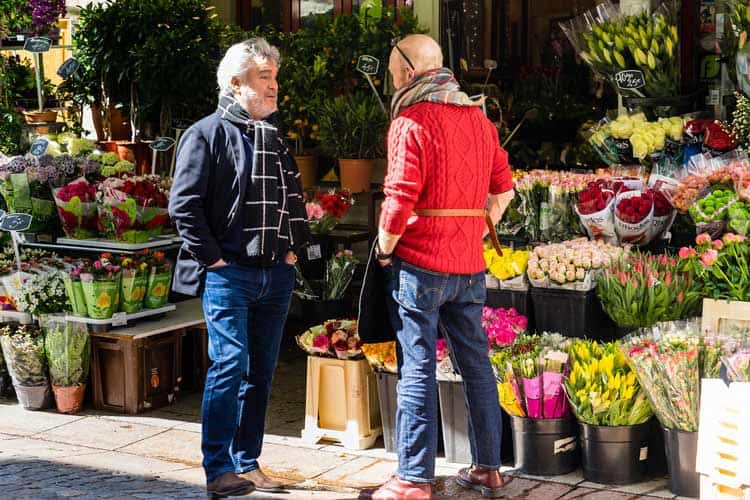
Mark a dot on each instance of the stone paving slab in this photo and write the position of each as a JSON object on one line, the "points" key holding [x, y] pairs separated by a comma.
{"points": [[17, 421], [173, 445], [100, 433], [39, 449]]}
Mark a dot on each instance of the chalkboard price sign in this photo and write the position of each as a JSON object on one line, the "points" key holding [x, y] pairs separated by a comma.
{"points": [[16, 222], [368, 65], [39, 146], [162, 144], [68, 68], [630, 79], [37, 44]]}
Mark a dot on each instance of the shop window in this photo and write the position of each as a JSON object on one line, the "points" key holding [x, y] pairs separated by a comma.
{"points": [[308, 9]]}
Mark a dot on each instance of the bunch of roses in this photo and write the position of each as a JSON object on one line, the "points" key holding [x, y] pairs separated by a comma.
{"points": [[145, 189], [335, 204], [634, 209], [82, 189], [595, 197]]}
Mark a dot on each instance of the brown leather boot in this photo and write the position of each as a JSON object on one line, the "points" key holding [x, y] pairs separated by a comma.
{"points": [[229, 484], [489, 482], [263, 482], [396, 489]]}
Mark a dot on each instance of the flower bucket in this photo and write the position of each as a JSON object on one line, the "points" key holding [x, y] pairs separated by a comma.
{"points": [[546, 447], [74, 289], [69, 399], [157, 292], [682, 449], [102, 298], [308, 170], [132, 291], [33, 397]]}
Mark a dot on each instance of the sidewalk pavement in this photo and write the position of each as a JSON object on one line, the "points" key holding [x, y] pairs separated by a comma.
{"points": [[156, 455]]}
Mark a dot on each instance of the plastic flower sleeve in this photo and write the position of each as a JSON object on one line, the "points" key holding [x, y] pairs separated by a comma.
{"points": [[23, 348], [68, 349]]}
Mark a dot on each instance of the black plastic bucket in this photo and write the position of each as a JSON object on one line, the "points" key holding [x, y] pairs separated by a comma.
{"points": [[546, 447], [622, 455], [387, 399], [682, 448]]}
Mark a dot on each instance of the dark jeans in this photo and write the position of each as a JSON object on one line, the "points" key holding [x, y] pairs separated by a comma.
{"points": [[420, 299], [245, 310]]}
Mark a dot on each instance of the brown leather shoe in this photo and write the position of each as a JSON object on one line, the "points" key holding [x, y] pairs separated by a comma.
{"points": [[263, 482], [487, 481], [396, 489], [229, 484]]}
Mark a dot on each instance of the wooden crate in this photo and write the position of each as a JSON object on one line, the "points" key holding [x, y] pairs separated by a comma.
{"points": [[721, 316], [341, 403]]}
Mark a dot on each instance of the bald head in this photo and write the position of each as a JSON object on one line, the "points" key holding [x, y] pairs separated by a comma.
{"points": [[422, 51]]}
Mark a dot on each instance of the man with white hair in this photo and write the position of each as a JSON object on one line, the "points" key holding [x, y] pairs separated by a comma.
{"points": [[237, 203], [445, 167]]}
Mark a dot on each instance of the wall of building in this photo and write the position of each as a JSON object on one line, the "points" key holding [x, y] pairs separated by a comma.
{"points": [[428, 13]]}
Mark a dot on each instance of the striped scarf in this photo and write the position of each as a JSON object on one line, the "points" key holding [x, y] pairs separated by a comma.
{"points": [[274, 187], [437, 85]]}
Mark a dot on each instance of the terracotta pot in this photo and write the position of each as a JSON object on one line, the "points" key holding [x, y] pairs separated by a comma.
{"points": [[308, 169], [119, 124], [136, 152], [44, 116], [69, 399], [355, 175]]}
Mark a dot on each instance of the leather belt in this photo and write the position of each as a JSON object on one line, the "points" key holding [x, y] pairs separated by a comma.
{"points": [[464, 212]]}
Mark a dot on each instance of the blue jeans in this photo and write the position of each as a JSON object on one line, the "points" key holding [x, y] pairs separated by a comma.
{"points": [[420, 301], [245, 310]]}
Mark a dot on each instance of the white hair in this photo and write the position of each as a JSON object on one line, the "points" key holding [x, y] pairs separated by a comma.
{"points": [[240, 57]]}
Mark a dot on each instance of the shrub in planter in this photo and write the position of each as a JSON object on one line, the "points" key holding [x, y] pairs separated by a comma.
{"points": [[23, 348], [68, 350]]}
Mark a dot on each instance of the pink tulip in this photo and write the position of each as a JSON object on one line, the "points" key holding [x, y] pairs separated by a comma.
{"points": [[718, 244], [709, 257], [703, 238]]}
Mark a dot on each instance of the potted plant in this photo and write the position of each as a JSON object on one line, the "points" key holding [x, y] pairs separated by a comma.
{"points": [[322, 300], [324, 212], [23, 348], [16, 15], [42, 293], [159, 279], [530, 384], [135, 275], [352, 129], [620, 443], [74, 291], [68, 351], [100, 281]]}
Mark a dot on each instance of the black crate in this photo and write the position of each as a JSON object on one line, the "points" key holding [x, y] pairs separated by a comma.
{"points": [[571, 313], [520, 300]]}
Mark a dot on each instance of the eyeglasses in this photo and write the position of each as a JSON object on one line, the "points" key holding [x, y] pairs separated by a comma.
{"points": [[394, 44]]}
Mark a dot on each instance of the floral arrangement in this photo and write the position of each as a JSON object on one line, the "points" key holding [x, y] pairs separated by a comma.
{"points": [[132, 209], [602, 388], [720, 266], [45, 13], [76, 206], [334, 338], [42, 293], [502, 326], [381, 356], [102, 269], [338, 276], [530, 374], [325, 210], [572, 263], [159, 279], [23, 347], [134, 283], [640, 290], [511, 264]]}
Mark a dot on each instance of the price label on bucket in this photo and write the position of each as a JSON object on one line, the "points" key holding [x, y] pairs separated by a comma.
{"points": [[630, 79], [314, 252]]}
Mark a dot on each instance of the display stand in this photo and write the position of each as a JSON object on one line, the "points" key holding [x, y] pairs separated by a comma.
{"points": [[166, 242], [118, 319]]}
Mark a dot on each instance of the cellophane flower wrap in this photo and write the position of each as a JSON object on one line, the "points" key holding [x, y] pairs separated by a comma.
{"points": [[134, 283], [159, 279], [23, 348], [100, 281], [602, 388], [68, 350], [339, 273], [640, 290], [325, 210], [334, 338], [738, 365], [76, 206], [132, 209]]}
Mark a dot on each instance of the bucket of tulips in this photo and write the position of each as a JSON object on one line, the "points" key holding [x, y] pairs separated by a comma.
{"points": [[530, 385], [595, 209], [621, 442]]}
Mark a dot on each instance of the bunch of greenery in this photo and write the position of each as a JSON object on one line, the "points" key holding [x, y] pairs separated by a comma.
{"points": [[68, 351], [352, 127], [16, 14]]}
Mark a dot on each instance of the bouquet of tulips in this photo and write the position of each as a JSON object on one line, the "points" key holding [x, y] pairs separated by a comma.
{"points": [[509, 268], [721, 267], [602, 388], [640, 290]]}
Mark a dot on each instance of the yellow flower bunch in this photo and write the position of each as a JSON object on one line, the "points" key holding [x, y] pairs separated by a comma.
{"points": [[601, 387], [381, 356], [511, 264]]}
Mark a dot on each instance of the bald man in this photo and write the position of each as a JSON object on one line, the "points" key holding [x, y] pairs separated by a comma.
{"points": [[445, 168]]}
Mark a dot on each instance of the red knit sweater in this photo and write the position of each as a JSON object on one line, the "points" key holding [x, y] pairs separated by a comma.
{"points": [[441, 156]]}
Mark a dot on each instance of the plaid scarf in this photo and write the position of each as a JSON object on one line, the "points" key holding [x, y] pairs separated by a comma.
{"points": [[437, 85], [274, 187]]}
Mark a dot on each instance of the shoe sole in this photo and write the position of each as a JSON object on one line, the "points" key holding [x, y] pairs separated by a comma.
{"points": [[485, 491], [277, 489], [235, 492]]}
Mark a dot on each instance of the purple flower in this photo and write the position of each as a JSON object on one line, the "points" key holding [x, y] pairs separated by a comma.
{"points": [[45, 13]]}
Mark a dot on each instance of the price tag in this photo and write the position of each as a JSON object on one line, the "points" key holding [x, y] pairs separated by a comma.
{"points": [[162, 144], [68, 68], [16, 222], [119, 319], [314, 252], [630, 79], [644, 453], [39, 147], [368, 65], [37, 44]]}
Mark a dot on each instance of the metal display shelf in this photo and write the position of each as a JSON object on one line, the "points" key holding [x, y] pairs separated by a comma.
{"points": [[16, 317], [119, 319], [102, 245]]}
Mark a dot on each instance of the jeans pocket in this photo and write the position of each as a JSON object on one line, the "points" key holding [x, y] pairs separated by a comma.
{"points": [[419, 289], [477, 289]]}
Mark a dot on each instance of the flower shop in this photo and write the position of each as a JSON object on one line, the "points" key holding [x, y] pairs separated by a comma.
{"points": [[617, 314]]}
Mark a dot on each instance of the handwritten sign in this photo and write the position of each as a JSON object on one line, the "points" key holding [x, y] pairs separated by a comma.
{"points": [[68, 68], [368, 65], [162, 144], [37, 44], [490, 64], [39, 147], [630, 79], [16, 222]]}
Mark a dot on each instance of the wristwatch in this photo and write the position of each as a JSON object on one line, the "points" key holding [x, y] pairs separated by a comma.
{"points": [[379, 255]]}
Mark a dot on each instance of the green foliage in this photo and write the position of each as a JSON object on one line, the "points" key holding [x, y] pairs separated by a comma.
{"points": [[352, 126], [11, 125], [18, 83], [68, 353], [16, 14]]}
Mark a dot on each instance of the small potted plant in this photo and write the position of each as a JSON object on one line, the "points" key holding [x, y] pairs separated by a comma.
{"points": [[159, 279], [42, 293], [352, 129], [100, 281], [23, 348], [135, 275], [68, 351], [74, 290]]}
